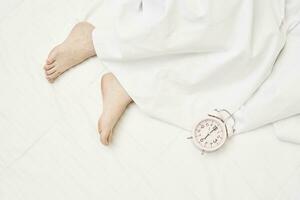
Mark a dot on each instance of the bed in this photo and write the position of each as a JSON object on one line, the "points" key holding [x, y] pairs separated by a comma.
{"points": [[50, 148]]}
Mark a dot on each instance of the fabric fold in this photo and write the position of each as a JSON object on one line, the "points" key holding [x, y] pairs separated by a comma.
{"points": [[180, 59], [278, 98]]}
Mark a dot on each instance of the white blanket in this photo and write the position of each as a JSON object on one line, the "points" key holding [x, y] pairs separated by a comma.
{"points": [[49, 145], [179, 60]]}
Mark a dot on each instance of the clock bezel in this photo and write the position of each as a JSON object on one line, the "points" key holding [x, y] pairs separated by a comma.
{"points": [[224, 129]]}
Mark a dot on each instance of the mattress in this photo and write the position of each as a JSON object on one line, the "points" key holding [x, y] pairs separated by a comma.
{"points": [[50, 148]]}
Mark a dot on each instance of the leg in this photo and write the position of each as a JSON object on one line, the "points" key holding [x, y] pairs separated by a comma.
{"points": [[115, 101], [75, 49]]}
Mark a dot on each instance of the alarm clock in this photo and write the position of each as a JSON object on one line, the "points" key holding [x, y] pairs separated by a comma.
{"points": [[211, 133]]}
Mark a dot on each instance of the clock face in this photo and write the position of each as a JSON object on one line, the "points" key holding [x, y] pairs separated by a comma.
{"points": [[209, 134]]}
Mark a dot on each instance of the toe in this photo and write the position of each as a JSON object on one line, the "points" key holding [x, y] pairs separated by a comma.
{"points": [[105, 136], [105, 133], [47, 67], [49, 61], [50, 71], [51, 56], [99, 125], [53, 76], [51, 80]]}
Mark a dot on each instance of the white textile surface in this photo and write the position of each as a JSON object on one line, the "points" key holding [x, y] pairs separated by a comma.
{"points": [[179, 60], [49, 145]]}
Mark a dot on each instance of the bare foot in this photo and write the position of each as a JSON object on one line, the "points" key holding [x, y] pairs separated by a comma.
{"points": [[75, 49], [115, 101]]}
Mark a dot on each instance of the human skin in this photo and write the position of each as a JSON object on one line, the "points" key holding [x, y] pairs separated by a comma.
{"points": [[77, 48]]}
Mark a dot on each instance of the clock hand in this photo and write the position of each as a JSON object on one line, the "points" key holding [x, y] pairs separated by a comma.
{"points": [[206, 136], [215, 128]]}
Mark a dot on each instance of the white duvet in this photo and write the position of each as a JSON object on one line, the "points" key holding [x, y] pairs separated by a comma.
{"points": [[50, 148], [179, 60]]}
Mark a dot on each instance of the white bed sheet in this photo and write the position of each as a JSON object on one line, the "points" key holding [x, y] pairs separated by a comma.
{"points": [[49, 147]]}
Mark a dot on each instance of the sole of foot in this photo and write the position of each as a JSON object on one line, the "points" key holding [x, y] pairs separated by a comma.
{"points": [[115, 101]]}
